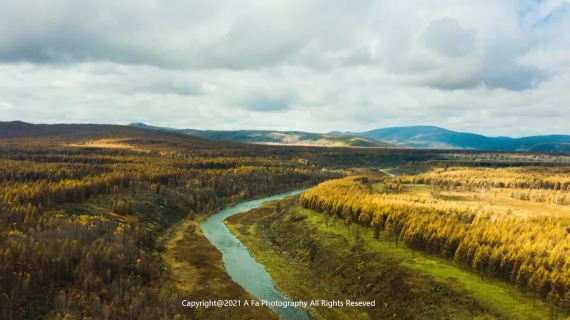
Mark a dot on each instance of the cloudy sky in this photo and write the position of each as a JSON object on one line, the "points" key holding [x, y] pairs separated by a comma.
{"points": [[486, 66]]}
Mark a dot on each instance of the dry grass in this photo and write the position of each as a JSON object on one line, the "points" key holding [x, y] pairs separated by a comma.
{"points": [[501, 199], [498, 200]]}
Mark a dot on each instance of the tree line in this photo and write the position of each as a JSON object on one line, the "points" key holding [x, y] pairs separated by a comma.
{"points": [[551, 178]]}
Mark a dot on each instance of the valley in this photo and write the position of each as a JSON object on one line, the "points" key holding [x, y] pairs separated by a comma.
{"points": [[110, 222], [317, 247], [284, 160], [414, 284]]}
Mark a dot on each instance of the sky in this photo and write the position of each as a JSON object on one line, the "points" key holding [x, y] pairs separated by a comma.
{"points": [[486, 66]]}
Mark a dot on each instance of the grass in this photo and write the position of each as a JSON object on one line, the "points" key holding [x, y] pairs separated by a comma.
{"points": [[378, 187], [499, 296], [494, 294], [289, 276], [413, 285], [197, 268], [499, 200]]}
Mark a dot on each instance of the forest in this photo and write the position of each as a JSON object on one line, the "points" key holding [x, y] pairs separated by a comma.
{"points": [[84, 210], [526, 249], [61, 259]]}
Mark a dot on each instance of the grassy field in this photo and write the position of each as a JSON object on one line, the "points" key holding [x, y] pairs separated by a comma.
{"points": [[435, 283], [499, 200]]}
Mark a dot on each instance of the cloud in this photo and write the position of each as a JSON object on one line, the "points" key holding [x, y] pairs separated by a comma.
{"points": [[446, 37], [5, 105], [267, 104], [181, 34], [496, 67]]}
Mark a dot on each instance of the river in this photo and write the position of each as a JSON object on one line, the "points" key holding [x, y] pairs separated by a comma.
{"points": [[239, 263]]}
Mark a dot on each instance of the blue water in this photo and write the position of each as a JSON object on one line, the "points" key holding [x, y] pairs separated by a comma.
{"points": [[240, 265]]}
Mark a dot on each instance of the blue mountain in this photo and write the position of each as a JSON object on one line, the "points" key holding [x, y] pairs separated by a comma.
{"points": [[439, 138]]}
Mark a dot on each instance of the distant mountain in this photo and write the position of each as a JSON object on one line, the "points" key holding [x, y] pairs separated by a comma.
{"points": [[421, 137], [438, 138], [280, 137]]}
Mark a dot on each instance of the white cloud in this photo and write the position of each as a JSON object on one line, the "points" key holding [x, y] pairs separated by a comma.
{"points": [[495, 67]]}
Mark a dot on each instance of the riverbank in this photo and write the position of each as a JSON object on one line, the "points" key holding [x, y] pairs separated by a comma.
{"points": [[199, 274], [309, 259], [205, 263], [290, 275], [239, 263]]}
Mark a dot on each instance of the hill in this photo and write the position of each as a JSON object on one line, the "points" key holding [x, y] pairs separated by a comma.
{"points": [[280, 137], [438, 138], [420, 137], [101, 135]]}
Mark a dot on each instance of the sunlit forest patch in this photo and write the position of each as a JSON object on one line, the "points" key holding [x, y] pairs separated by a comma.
{"points": [[530, 250], [104, 143]]}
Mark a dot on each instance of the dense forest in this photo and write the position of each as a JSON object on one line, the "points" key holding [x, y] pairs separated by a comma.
{"points": [[531, 252], [60, 260]]}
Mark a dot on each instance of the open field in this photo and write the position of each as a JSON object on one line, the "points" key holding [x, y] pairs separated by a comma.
{"points": [[497, 199]]}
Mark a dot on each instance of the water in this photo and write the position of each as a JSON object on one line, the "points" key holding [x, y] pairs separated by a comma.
{"points": [[240, 265]]}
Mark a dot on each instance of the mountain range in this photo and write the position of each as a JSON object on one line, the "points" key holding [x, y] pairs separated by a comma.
{"points": [[282, 137], [438, 138], [421, 137]]}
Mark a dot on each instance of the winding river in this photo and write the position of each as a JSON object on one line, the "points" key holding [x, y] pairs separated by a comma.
{"points": [[239, 263]]}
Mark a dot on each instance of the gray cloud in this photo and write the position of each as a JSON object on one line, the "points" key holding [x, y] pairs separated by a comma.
{"points": [[445, 36], [487, 66], [266, 104], [497, 68], [183, 88]]}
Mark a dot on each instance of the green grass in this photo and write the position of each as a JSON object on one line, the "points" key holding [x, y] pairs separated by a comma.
{"points": [[504, 298], [496, 295], [378, 187], [290, 276]]}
